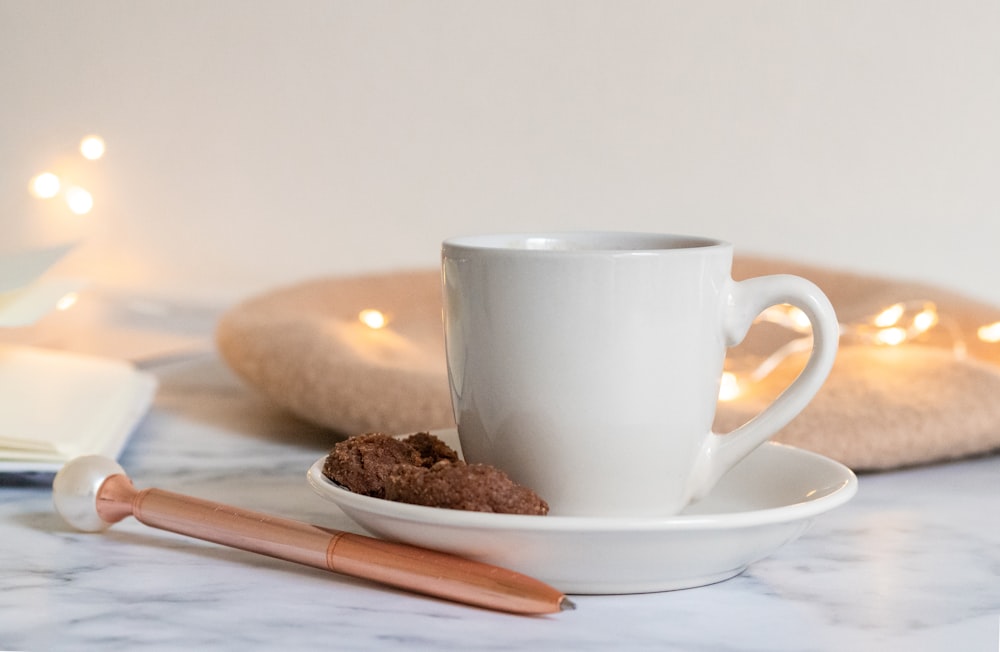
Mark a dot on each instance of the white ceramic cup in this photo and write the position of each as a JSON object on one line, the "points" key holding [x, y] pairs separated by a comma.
{"points": [[587, 364]]}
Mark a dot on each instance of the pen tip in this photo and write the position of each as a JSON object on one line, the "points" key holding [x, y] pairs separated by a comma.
{"points": [[565, 604]]}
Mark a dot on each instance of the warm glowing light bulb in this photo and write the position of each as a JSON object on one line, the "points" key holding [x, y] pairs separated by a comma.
{"points": [[891, 336], [926, 319], [67, 301], [79, 200], [890, 316], [990, 332], [729, 387], [92, 147], [373, 319], [45, 185]]}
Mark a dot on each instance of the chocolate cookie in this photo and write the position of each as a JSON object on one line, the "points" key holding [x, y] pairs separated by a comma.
{"points": [[423, 470]]}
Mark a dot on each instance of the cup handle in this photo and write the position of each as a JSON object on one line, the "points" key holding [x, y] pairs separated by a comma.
{"points": [[746, 300]]}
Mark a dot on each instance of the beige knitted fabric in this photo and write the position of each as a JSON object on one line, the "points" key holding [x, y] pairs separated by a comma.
{"points": [[881, 408]]}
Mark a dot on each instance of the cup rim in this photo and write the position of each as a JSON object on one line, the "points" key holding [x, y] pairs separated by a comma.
{"points": [[590, 242]]}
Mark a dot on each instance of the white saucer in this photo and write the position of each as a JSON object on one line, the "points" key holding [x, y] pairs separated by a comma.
{"points": [[766, 501]]}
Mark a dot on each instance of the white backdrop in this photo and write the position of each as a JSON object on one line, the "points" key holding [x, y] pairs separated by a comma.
{"points": [[255, 143]]}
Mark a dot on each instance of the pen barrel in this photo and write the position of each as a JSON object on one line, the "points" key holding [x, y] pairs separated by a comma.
{"points": [[442, 575], [403, 566], [282, 538]]}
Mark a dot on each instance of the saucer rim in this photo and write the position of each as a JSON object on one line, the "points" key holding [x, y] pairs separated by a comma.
{"points": [[834, 494]]}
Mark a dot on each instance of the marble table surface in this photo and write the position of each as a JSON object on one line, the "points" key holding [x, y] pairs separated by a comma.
{"points": [[912, 563]]}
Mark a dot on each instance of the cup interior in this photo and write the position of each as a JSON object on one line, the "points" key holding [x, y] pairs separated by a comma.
{"points": [[583, 241]]}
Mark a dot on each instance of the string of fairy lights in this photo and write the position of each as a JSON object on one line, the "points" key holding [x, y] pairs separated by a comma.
{"points": [[49, 185], [893, 326]]}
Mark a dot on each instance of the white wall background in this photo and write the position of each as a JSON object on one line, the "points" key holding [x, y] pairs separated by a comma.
{"points": [[254, 143]]}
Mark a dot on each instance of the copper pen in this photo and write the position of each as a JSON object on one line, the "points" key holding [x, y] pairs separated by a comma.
{"points": [[93, 492]]}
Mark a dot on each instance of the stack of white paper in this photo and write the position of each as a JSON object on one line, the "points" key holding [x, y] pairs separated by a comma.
{"points": [[55, 406]]}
